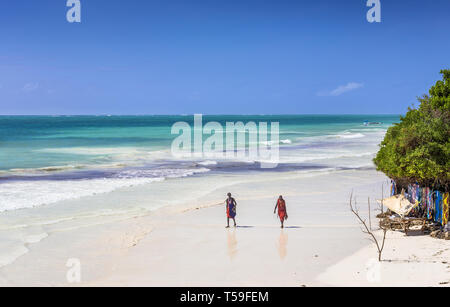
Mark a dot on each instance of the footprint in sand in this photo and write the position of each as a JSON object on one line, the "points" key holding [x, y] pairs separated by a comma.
{"points": [[439, 253]]}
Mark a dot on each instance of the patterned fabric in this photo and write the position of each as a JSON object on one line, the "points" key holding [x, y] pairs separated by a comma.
{"points": [[437, 208], [281, 209], [423, 199], [430, 204], [393, 188], [445, 209], [418, 194], [231, 208], [408, 193], [414, 196], [434, 205]]}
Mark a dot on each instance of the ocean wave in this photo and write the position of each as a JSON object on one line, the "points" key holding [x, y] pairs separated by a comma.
{"points": [[207, 163], [159, 173], [348, 135], [110, 153], [56, 169], [374, 136], [307, 157], [281, 142], [29, 194], [47, 169]]}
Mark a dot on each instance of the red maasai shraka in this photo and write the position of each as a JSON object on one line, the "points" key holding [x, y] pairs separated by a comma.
{"points": [[281, 209]]}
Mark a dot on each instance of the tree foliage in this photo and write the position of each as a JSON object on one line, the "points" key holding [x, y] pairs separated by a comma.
{"points": [[418, 149]]}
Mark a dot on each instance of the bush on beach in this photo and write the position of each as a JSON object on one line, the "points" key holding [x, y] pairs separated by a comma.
{"points": [[417, 150]]}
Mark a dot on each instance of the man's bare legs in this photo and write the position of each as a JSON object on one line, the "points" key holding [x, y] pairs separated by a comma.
{"points": [[228, 222]]}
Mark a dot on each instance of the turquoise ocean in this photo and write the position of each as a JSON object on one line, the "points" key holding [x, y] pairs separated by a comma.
{"points": [[46, 159]]}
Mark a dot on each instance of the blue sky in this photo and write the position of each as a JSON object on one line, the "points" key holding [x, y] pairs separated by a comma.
{"points": [[219, 56]]}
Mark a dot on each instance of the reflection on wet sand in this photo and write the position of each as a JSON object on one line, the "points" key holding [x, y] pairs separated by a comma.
{"points": [[282, 245], [232, 244]]}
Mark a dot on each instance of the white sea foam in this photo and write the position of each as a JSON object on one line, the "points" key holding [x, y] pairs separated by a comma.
{"points": [[28, 194], [160, 173], [92, 150], [373, 136], [207, 163], [285, 141], [348, 135], [112, 155], [311, 156]]}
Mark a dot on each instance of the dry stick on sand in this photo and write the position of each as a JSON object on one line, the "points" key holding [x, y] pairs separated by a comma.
{"points": [[366, 229]]}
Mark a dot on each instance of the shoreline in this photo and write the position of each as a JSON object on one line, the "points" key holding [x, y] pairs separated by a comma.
{"points": [[112, 237], [186, 244]]}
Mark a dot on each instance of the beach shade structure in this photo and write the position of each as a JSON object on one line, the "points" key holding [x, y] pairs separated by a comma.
{"points": [[398, 204]]}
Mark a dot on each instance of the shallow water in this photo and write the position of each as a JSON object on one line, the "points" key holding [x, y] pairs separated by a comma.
{"points": [[44, 160]]}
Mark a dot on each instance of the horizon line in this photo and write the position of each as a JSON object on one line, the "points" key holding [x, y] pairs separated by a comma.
{"points": [[212, 114]]}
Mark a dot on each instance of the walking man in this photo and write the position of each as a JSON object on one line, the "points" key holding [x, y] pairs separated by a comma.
{"points": [[282, 212]]}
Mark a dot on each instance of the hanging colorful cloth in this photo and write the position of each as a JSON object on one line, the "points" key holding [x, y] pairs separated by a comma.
{"points": [[416, 198], [393, 188], [423, 197], [425, 200], [410, 192], [437, 208], [418, 194], [429, 204], [445, 209]]}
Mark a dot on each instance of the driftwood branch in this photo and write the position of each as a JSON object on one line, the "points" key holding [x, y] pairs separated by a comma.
{"points": [[366, 229]]}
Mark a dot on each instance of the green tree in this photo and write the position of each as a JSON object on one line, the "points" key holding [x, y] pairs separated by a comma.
{"points": [[418, 149]]}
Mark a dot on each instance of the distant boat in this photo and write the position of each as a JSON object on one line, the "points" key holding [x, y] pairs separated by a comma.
{"points": [[367, 123]]}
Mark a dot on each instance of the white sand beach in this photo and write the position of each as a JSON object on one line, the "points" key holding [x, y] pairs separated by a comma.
{"points": [[414, 261], [186, 243]]}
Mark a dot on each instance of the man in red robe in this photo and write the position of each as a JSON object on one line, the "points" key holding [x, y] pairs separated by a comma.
{"points": [[282, 212]]}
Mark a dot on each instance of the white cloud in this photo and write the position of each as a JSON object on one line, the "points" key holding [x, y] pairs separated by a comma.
{"points": [[351, 86], [29, 87]]}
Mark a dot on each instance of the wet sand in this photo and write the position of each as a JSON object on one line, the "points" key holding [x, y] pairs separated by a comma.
{"points": [[186, 244]]}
